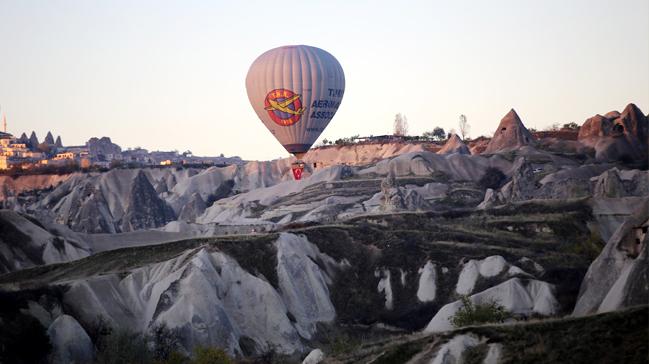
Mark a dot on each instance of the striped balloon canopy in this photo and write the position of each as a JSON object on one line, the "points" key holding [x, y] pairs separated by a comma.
{"points": [[295, 91]]}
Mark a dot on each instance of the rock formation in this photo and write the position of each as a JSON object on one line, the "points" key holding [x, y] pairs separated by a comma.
{"points": [[616, 136], [213, 300], [616, 183], [511, 134], [70, 342], [49, 138], [518, 296], [25, 244], [454, 145], [314, 357], [33, 140], [193, 209], [392, 196], [396, 198], [145, 208], [619, 277], [522, 185], [102, 146], [211, 290]]}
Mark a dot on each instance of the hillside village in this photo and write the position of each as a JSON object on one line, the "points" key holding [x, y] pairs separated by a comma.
{"points": [[28, 154]]}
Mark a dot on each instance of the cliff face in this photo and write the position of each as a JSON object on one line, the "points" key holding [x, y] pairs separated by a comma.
{"points": [[362, 154], [12, 187]]}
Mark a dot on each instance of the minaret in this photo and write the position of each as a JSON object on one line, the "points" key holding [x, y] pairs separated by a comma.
{"points": [[4, 123]]}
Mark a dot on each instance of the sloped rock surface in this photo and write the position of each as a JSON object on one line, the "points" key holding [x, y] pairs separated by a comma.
{"points": [[617, 136], [70, 342], [213, 301], [618, 277], [454, 145], [511, 134], [523, 297], [145, 209], [123, 200], [24, 244]]}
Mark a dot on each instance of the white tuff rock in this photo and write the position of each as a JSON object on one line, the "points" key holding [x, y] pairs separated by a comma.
{"points": [[515, 295], [427, 289], [70, 342]]}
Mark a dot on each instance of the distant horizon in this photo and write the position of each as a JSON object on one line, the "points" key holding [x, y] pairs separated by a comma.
{"points": [[172, 77], [319, 143]]}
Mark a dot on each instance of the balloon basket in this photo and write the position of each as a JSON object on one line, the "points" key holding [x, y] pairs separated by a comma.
{"points": [[297, 168]]}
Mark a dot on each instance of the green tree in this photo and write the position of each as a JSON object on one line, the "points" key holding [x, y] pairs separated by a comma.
{"points": [[439, 133], [476, 314], [572, 125]]}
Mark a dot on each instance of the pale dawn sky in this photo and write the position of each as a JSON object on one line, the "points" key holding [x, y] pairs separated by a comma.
{"points": [[168, 75]]}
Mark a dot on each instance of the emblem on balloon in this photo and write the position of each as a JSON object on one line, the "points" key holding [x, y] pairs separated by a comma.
{"points": [[284, 106]]}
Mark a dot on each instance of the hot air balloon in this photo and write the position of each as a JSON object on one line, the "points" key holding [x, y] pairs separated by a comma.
{"points": [[295, 91]]}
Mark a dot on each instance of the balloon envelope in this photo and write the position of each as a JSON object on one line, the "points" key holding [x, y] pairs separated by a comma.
{"points": [[295, 91]]}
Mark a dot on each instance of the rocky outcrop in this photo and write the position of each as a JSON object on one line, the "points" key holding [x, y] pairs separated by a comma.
{"points": [[33, 140], [454, 145], [492, 267], [454, 350], [49, 138], [130, 199], [523, 184], [12, 187], [517, 296], [615, 183], [23, 139], [70, 342], [458, 167], [212, 300], [193, 209], [359, 154], [392, 269], [392, 196], [491, 198], [618, 278], [395, 198], [314, 357], [145, 208], [511, 134], [25, 243], [101, 147], [616, 136]]}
